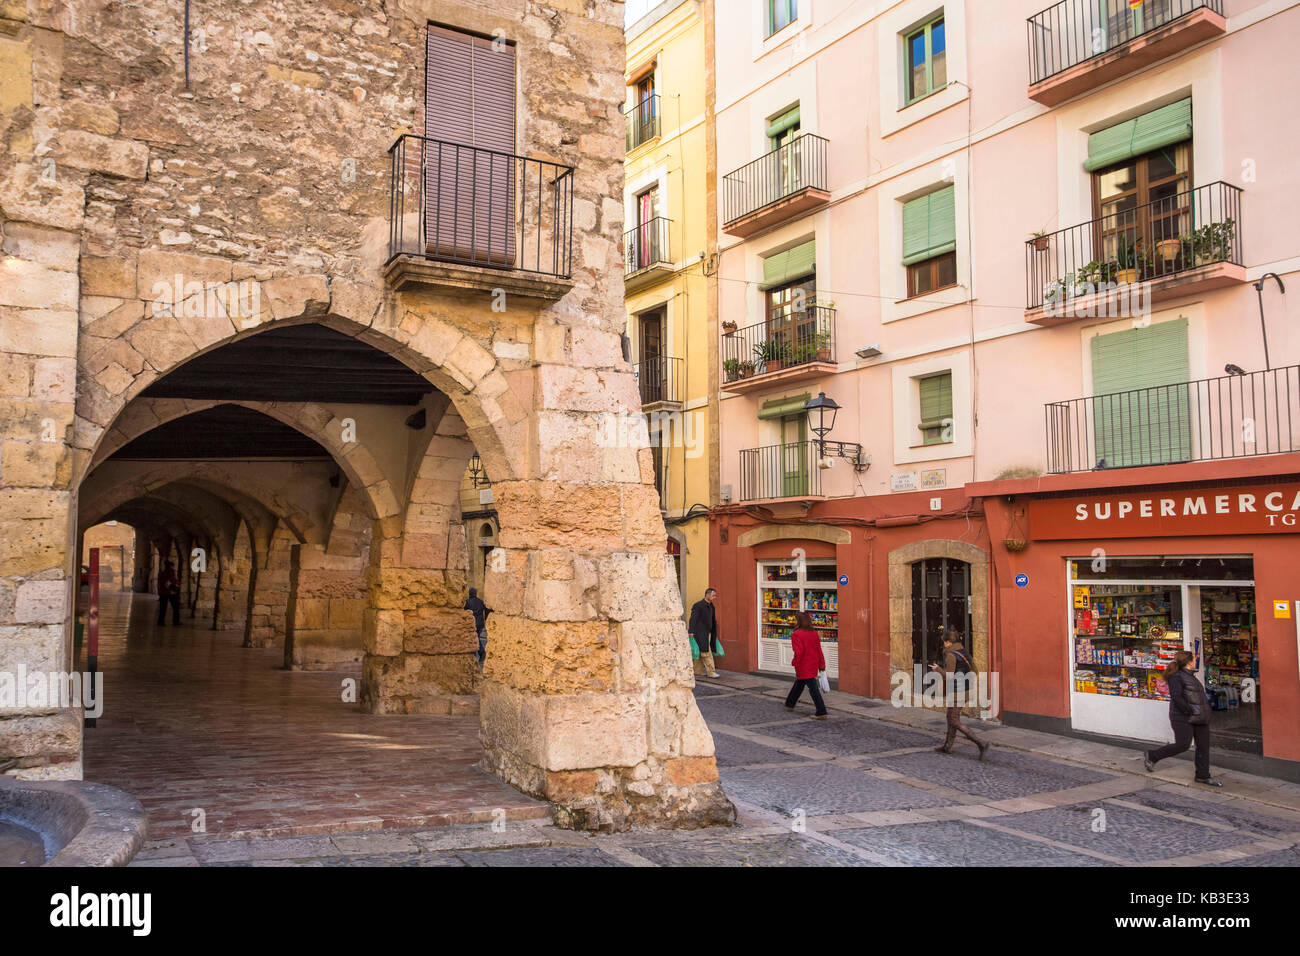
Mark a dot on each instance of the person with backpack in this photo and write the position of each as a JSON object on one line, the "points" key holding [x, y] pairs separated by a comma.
{"points": [[169, 592], [956, 666], [1189, 716], [474, 604], [808, 661]]}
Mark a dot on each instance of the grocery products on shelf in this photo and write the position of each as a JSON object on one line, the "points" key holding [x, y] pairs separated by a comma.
{"points": [[1123, 637]]}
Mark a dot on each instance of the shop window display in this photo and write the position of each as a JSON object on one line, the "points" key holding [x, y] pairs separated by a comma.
{"points": [[785, 588]]}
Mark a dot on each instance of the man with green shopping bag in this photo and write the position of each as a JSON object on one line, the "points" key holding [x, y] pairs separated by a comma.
{"points": [[703, 629]]}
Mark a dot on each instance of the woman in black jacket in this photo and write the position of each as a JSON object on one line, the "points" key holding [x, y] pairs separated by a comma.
{"points": [[1189, 716]]}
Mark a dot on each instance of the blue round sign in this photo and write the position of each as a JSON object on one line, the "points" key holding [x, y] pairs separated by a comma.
{"points": [[844, 580], [1022, 580]]}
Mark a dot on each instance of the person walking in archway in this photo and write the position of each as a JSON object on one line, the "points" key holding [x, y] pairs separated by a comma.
{"points": [[1189, 716], [474, 604], [808, 663], [703, 627], [956, 666], [169, 592]]}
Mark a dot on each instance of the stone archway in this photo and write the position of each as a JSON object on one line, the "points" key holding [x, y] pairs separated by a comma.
{"points": [[587, 697]]}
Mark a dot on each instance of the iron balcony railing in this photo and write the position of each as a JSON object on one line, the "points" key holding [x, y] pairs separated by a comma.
{"points": [[780, 471], [799, 164], [643, 121], [480, 207], [1074, 31], [646, 245], [1232, 416], [1154, 241], [659, 379], [789, 338]]}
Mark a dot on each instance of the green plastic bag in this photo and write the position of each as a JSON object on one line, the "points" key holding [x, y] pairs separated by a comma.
{"points": [[719, 652], [695, 650]]}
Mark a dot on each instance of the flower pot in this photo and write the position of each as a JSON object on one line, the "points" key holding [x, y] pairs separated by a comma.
{"points": [[823, 355], [1125, 276], [1040, 243], [1014, 544], [728, 327], [1168, 249]]}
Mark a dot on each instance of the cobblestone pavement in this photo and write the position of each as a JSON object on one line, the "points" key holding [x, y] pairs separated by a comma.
{"points": [[864, 788]]}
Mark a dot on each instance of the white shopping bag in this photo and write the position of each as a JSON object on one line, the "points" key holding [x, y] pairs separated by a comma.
{"points": [[823, 681]]}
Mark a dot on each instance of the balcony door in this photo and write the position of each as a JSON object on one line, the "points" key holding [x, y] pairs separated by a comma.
{"points": [[469, 168], [794, 456], [783, 136], [646, 204], [651, 378], [1124, 21], [1140, 406], [791, 322]]}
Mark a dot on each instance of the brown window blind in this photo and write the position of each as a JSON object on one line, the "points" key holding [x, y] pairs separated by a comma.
{"points": [[470, 173]]}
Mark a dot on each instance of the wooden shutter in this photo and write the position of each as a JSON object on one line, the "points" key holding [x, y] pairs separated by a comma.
{"points": [[1134, 427], [1150, 131], [929, 226], [936, 398], [786, 121], [470, 102], [785, 267]]}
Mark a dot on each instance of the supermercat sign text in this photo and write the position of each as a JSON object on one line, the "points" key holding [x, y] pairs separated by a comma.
{"points": [[1254, 509]]}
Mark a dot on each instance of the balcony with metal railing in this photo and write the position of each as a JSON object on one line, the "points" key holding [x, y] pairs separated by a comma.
{"points": [[779, 186], [463, 218], [1232, 416], [793, 345], [1080, 45], [643, 122], [1119, 264], [659, 380], [775, 472], [647, 256]]}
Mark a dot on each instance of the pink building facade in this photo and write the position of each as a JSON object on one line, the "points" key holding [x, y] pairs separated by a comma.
{"points": [[1019, 251]]}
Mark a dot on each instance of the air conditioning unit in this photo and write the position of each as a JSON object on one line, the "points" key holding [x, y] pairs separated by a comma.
{"points": [[825, 462]]}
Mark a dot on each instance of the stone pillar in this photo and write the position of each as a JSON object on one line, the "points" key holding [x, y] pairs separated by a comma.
{"points": [[41, 210], [234, 583], [587, 697], [266, 623], [329, 605]]}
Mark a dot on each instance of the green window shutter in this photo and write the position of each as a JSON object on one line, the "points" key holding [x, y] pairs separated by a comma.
{"points": [[1150, 131], [783, 407], [787, 266], [779, 124], [1153, 425], [936, 398], [929, 226]]}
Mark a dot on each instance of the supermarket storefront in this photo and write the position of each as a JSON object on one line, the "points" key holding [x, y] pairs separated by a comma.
{"points": [[1098, 588]]}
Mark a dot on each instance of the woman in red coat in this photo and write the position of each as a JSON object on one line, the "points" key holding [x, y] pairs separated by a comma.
{"points": [[808, 660]]}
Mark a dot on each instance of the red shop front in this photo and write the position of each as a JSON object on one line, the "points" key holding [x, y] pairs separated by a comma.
{"points": [[1104, 576]]}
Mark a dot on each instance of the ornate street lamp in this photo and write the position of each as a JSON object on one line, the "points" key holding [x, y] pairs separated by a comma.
{"points": [[476, 473], [821, 419]]}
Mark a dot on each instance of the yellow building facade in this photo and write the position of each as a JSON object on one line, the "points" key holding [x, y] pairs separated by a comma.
{"points": [[666, 256]]}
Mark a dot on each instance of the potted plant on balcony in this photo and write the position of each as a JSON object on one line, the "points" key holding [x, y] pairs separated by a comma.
{"points": [[1169, 250], [728, 327], [1039, 240], [822, 345], [731, 368], [1131, 263], [769, 356], [1211, 242]]}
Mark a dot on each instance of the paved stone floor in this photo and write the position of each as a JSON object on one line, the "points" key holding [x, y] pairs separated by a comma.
{"points": [[192, 721], [862, 789]]}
